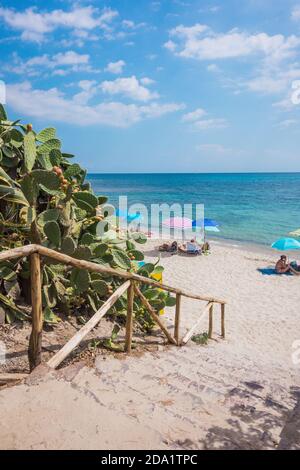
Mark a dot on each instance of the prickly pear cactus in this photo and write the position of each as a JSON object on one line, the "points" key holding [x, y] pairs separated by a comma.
{"points": [[45, 199]]}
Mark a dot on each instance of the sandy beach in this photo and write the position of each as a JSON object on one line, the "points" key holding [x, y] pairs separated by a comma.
{"points": [[237, 393]]}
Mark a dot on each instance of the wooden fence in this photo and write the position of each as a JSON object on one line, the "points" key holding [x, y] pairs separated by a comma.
{"points": [[131, 286]]}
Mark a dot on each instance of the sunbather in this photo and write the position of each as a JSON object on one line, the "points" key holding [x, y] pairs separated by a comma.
{"points": [[282, 265], [169, 247], [190, 248], [205, 247], [295, 268]]}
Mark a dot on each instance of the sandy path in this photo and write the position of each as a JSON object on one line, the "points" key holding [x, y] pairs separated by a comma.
{"points": [[236, 393]]}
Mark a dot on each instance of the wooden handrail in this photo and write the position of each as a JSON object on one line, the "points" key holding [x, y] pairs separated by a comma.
{"points": [[93, 267], [20, 252], [37, 251]]}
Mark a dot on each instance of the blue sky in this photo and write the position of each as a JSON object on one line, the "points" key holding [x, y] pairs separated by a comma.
{"points": [[150, 86]]}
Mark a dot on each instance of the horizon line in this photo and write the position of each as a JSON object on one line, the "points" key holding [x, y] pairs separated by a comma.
{"points": [[192, 172]]}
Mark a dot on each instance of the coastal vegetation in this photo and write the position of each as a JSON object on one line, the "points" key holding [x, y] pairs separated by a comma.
{"points": [[45, 199]]}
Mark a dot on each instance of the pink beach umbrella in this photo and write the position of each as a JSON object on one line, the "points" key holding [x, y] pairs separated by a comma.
{"points": [[178, 222]]}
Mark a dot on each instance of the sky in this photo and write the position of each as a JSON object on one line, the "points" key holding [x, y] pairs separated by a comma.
{"points": [[158, 86]]}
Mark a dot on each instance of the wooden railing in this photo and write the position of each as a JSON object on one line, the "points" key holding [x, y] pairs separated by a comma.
{"points": [[131, 285]]}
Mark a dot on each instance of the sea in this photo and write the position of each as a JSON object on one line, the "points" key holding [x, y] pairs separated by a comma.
{"points": [[256, 208]]}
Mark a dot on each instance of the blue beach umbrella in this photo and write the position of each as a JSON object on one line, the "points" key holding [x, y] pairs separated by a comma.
{"points": [[207, 223], [210, 223], [285, 244], [127, 215]]}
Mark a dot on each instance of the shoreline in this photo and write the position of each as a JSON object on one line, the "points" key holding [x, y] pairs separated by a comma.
{"points": [[248, 246], [255, 248]]}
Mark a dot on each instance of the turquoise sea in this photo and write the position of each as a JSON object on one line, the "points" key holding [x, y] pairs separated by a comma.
{"points": [[250, 207]]}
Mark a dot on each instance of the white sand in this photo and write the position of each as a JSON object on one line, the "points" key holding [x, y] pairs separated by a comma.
{"points": [[263, 311], [236, 393]]}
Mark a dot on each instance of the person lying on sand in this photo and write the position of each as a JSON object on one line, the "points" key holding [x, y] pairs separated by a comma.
{"points": [[295, 268], [169, 247], [282, 265], [191, 247]]}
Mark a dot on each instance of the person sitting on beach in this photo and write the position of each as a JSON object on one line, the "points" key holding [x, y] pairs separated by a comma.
{"points": [[191, 247], [282, 266], [205, 247]]}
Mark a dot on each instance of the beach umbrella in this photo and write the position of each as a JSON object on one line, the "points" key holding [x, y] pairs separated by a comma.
{"points": [[126, 215], [178, 222], [120, 213], [285, 244], [206, 222]]}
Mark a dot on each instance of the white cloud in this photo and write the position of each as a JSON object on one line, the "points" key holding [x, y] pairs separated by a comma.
{"points": [[213, 148], [271, 66], [151, 56], [284, 105], [34, 26], [170, 45], [69, 58], [61, 64], [52, 104], [213, 68], [202, 43], [266, 84], [88, 90], [198, 123], [115, 67], [274, 80], [296, 13], [287, 123], [212, 9], [194, 115], [129, 24], [189, 31], [147, 81], [215, 9], [155, 5], [206, 124], [130, 87]]}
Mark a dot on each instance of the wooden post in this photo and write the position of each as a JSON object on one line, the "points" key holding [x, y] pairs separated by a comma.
{"points": [[223, 334], [191, 332], [154, 315], [35, 342], [210, 327], [129, 319], [177, 319]]}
